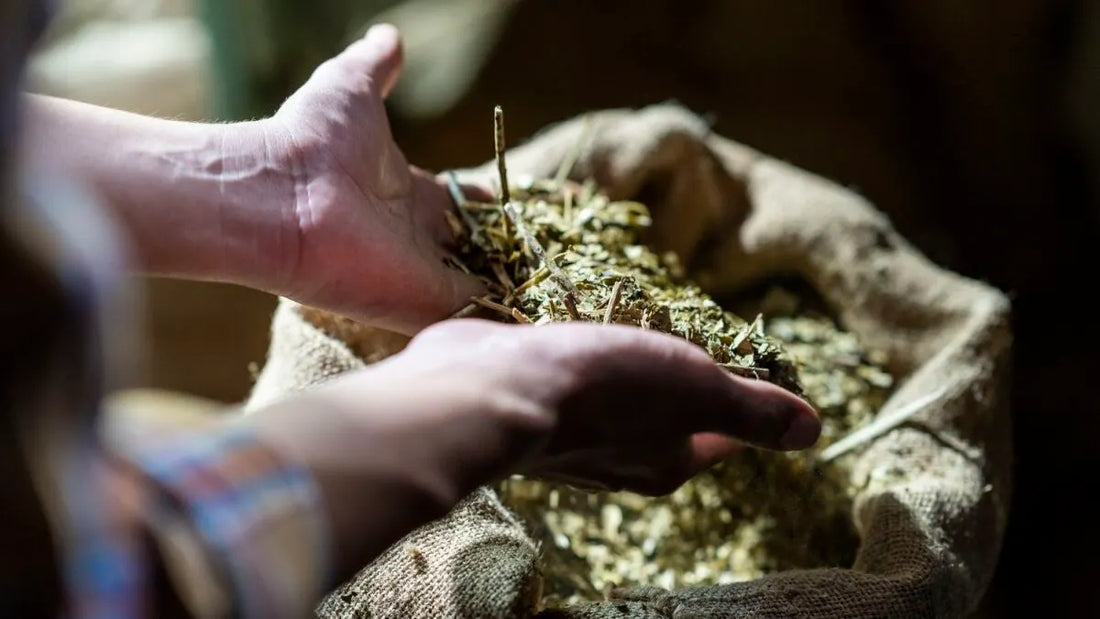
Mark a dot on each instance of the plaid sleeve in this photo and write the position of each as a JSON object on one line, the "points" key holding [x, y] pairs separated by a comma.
{"points": [[229, 510]]}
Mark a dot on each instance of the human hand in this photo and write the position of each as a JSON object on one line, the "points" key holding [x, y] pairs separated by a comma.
{"points": [[610, 407], [316, 203], [469, 402], [367, 231], [929, 537]]}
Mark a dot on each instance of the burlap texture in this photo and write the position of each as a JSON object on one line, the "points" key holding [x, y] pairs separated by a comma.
{"points": [[935, 491], [476, 562]]}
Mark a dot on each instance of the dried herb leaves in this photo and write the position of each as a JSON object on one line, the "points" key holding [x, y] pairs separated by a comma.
{"points": [[559, 252], [555, 250]]}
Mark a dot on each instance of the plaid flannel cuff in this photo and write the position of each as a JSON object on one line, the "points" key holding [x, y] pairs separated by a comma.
{"points": [[260, 518]]}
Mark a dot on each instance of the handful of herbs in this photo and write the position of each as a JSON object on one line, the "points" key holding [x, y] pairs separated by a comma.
{"points": [[555, 250]]}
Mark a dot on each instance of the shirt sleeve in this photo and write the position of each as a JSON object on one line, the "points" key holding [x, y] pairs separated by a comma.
{"points": [[242, 531]]}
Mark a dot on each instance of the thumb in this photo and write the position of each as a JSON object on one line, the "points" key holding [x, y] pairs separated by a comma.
{"points": [[378, 55]]}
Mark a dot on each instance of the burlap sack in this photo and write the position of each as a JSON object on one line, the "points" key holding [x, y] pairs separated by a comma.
{"points": [[935, 490]]}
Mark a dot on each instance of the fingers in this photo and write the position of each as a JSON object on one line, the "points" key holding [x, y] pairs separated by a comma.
{"points": [[459, 334], [429, 204], [675, 388], [653, 469], [762, 414], [439, 198], [432, 200], [462, 287], [638, 410], [709, 399], [477, 193], [378, 55], [698, 453], [451, 291]]}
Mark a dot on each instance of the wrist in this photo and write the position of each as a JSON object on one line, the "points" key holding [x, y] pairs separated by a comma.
{"points": [[237, 524], [410, 441], [251, 186], [373, 491]]}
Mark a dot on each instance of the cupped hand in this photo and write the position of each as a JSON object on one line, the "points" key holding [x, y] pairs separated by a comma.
{"points": [[368, 229], [606, 407], [469, 402]]}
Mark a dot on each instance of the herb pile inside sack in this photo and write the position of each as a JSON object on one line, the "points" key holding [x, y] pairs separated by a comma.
{"points": [[557, 250]]}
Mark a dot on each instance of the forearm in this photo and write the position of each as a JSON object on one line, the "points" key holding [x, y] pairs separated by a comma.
{"points": [[201, 201], [383, 470], [307, 491]]}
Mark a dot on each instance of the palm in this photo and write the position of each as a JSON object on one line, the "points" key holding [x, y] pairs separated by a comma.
{"points": [[371, 230]]}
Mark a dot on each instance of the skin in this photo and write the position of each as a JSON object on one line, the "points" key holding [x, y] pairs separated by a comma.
{"points": [[318, 203], [308, 204], [469, 402]]}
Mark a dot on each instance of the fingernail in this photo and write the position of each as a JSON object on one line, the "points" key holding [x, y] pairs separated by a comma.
{"points": [[802, 433], [381, 29], [382, 35]]}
